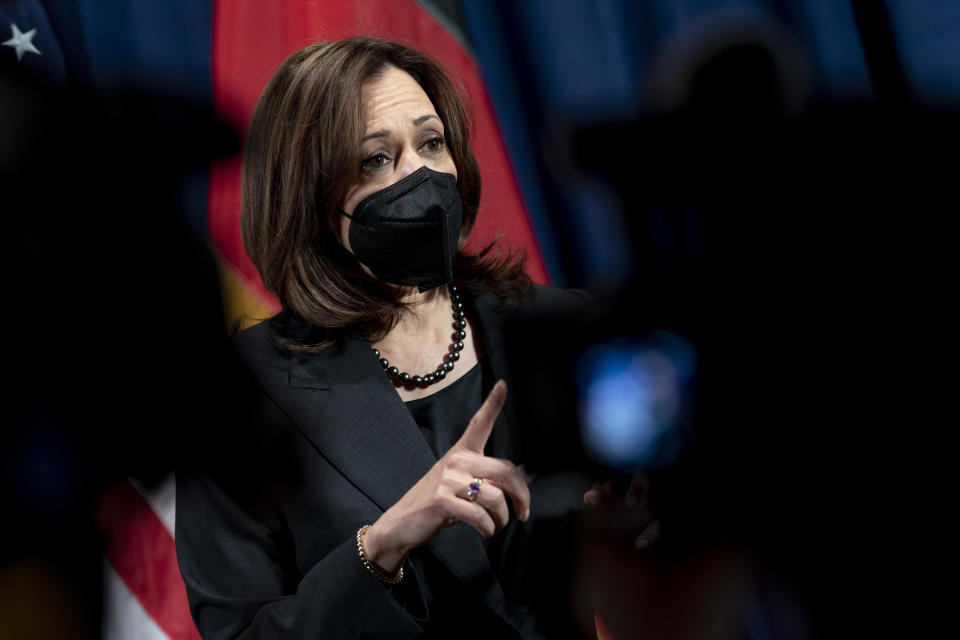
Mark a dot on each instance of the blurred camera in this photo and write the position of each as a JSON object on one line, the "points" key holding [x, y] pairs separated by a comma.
{"points": [[611, 393]]}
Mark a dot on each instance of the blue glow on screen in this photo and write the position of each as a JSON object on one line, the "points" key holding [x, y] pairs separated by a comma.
{"points": [[632, 395]]}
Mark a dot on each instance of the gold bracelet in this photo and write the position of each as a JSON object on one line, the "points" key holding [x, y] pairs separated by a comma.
{"points": [[382, 577]]}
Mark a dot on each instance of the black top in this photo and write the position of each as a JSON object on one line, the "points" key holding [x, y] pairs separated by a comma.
{"points": [[442, 418], [444, 415]]}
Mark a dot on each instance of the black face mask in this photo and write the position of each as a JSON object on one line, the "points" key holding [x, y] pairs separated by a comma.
{"points": [[407, 233]]}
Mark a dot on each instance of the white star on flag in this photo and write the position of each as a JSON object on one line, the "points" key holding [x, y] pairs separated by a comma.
{"points": [[22, 41]]}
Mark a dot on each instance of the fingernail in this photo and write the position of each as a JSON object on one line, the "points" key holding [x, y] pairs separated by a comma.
{"points": [[642, 543], [526, 514]]}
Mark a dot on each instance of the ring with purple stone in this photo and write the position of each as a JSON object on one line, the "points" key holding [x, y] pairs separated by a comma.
{"points": [[473, 489]]}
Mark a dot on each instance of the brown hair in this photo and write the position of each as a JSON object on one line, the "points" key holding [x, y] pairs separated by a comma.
{"points": [[302, 155]]}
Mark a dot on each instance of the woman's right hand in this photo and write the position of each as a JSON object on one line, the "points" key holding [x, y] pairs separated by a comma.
{"points": [[440, 498]]}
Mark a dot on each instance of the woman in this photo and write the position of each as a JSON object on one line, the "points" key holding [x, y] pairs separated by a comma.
{"points": [[406, 511]]}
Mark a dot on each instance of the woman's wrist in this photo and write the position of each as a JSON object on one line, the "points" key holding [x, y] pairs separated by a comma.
{"points": [[386, 556]]}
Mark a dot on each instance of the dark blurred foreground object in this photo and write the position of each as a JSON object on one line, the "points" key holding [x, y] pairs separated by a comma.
{"points": [[114, 329], [805, 260]]}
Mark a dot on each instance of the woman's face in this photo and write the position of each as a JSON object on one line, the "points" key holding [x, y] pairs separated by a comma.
{"points": [[402, 133]]}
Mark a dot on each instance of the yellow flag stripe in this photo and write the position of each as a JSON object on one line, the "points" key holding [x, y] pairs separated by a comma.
{"points": [[241, 307]]}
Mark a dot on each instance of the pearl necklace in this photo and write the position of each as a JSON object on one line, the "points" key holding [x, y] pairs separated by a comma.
{"points": [[446, 366]]}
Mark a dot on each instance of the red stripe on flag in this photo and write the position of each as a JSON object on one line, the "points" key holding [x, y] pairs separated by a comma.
{"points": [[251, 39], [143, 554]]}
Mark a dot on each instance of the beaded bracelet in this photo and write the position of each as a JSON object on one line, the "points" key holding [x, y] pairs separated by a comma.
{"points": [[391, 580]]}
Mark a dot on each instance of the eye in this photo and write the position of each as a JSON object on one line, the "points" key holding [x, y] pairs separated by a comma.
{"points": [[435, 144], [375, 161]]}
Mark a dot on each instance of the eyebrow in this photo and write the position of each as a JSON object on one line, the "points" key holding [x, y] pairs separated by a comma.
{"points": [[383, 133]]}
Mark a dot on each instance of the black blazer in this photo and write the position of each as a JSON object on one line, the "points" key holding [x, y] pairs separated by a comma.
{"points": [[283, 563]]}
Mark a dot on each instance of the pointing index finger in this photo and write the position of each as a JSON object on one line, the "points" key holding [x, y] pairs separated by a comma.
{"points": [[481, 425]]}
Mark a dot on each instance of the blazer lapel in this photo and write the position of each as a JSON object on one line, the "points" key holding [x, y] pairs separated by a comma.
{"points": [[347, 408], [490, 320], [351, 413]]}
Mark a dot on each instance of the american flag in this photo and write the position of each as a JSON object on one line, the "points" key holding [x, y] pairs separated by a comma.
{"points": [[144, 595]]}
